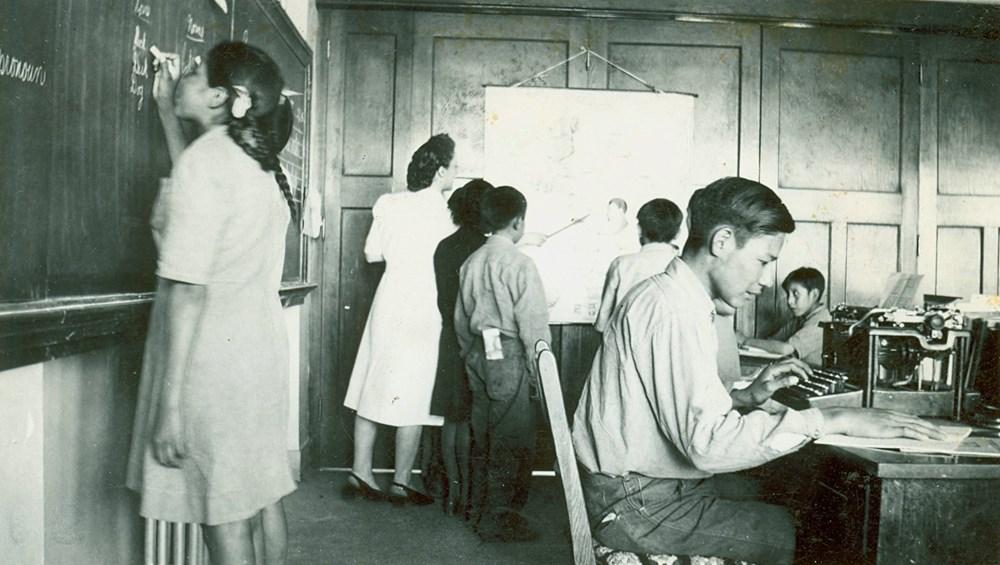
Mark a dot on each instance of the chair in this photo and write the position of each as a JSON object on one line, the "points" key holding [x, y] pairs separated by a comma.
{"points": [[585, 550], [551, 389]]}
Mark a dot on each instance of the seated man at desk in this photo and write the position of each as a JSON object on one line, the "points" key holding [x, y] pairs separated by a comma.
{"points": [[801, 336], [655, 421]]}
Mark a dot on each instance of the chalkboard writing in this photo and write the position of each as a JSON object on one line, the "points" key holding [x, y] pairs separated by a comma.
{"points": [[17, 69], [83, 138]]}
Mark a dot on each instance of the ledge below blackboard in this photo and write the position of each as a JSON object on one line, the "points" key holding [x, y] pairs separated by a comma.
{"points": [[31, 332]]}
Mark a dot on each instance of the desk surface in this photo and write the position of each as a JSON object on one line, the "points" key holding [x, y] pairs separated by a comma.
{"points": [[887, 464]]}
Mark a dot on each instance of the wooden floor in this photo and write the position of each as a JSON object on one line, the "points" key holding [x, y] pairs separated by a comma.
{"points": [[326, 528]]}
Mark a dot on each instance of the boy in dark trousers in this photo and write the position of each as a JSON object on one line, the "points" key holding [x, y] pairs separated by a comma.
{"points": [[500, 313]]}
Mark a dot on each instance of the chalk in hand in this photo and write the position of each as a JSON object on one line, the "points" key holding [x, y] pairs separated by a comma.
{"points": [[163, 59]]}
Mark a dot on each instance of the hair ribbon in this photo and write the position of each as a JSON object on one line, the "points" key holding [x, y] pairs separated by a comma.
{"points": [[242, 103]]}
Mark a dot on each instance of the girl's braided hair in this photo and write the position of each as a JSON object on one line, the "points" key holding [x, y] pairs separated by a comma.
{"points": [[263, 132]]}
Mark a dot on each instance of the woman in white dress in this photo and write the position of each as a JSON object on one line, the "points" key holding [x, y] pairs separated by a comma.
{"points": [[393, 376]]}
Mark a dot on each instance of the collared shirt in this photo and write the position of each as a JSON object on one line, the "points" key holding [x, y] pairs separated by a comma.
{"points": [[627, 271], [500, 288], [654, 403], [805, 335], [728, 357]]}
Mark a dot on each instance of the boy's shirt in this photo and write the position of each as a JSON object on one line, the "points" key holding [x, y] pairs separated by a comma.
{"points": [[654, 404], [805, 335], [500, 288], [627, 271]]}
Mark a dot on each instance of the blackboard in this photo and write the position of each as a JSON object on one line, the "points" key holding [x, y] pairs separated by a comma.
{"points": [[82, 144]]}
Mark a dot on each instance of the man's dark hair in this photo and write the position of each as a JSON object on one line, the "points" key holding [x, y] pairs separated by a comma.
{"points": [[500, 206], [811, 279], [659, 220], [748, 207], [465, 202]]}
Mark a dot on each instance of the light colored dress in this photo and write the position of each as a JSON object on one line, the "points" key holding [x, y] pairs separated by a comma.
{"points": [[220, 222], [393, 377]]}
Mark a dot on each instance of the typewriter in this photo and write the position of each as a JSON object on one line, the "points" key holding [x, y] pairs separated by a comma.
{"points": [[912, 360]]}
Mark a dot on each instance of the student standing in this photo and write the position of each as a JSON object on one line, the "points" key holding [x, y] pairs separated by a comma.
{"points": [[393, 376], [802, 335], [500, 314], [659, 220], [452, 396], [209, 440], [655, 422]]}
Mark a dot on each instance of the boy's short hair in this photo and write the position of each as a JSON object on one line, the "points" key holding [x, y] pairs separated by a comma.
{"points": [[659, 220], [501, 206], [465, 202], [811, 279], [619, 203], [748, 207]]}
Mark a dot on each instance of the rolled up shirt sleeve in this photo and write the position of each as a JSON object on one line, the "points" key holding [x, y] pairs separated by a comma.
{"points": [[694, 410]]}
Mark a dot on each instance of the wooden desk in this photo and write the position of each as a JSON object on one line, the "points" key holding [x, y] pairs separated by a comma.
{"points": [[874, 506]]}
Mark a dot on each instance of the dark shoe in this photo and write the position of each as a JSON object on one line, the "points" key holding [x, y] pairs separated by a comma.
{"points": [[412, 496], [361, 489]]}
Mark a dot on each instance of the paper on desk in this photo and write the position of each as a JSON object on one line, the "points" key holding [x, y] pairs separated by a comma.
{"points": [[751, 351], [955, 436], [972, 446]]}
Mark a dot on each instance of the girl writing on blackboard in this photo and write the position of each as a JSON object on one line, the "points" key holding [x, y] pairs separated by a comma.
{"points": [[209, 439]]}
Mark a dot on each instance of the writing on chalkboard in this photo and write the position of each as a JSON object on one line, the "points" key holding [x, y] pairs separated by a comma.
{"points": [[140, 67], [143, 18], [193, 45], [142, 11], [195, 31], [21, 70]]}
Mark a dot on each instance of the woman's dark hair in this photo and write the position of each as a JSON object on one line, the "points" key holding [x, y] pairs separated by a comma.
{"points": [[464, 203], [809, 278], [263, 132], [746, 206], [500, 206], [659, 220], [436, 152]]}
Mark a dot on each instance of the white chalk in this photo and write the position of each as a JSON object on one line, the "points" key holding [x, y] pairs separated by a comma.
{"points": [[170, 63]]}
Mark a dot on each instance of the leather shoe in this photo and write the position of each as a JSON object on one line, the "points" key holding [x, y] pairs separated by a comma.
{"points": [[409, 496], [361, 489]]}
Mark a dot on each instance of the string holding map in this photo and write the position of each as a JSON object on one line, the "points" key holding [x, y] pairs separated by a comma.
{"points": [[586, 51]]}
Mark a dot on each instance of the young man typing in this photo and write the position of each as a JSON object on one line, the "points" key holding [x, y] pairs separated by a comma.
{"points": [[655, 422]]}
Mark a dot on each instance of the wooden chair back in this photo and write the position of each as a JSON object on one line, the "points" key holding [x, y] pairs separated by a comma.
{"points": [[551, 388]]}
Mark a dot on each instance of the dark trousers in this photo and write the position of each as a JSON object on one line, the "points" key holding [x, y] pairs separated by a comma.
{"points": [[706, 517], [503, 430]]}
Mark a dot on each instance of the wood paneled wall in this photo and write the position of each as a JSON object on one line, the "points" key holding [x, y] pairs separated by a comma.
{"points": [[860, 133]]}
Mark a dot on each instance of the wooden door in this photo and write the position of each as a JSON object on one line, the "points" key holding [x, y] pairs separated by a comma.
{"points": [[839, 143], [960, 166]]}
